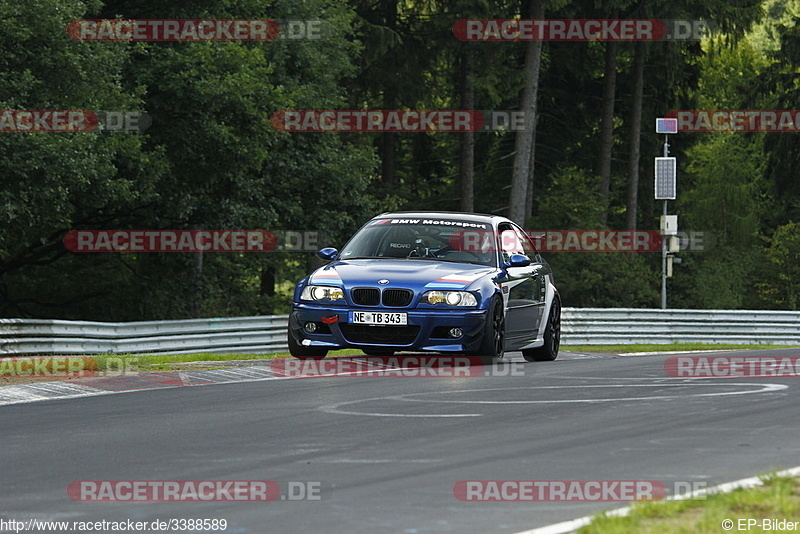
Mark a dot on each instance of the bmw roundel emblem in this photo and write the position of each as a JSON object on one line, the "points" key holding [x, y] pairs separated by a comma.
{"points": [[383, 282]]}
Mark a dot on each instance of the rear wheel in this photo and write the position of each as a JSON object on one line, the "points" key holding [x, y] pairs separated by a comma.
{"points": [[552, 337], [494, 333], [304, 353]]}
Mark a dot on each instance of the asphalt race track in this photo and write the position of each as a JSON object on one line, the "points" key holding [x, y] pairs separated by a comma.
{"points": [[387, 452]]}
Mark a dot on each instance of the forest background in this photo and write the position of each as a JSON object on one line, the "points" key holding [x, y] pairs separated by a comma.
{"points": [[212, 159]]}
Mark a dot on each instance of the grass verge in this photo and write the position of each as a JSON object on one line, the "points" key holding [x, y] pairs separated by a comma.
{"points": [[672, 347], [778, 499], [166, 362]]}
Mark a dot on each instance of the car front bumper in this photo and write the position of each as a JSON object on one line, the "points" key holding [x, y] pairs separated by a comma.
{"points": [[427, 329]]}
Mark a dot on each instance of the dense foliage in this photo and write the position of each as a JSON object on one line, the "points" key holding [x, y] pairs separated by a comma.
{"points": [[212, 159]]}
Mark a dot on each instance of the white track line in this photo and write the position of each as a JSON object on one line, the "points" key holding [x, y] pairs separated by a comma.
{"points": [[667, 353], [574, 524]]}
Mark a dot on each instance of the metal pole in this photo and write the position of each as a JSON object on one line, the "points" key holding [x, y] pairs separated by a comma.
{"points": [[664, 266], [664, 244]]}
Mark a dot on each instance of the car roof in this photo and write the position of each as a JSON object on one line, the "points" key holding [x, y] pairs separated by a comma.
{"points": [[470, 217]]}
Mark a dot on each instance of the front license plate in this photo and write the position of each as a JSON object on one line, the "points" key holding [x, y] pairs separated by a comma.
{"points": [[379, 318]]}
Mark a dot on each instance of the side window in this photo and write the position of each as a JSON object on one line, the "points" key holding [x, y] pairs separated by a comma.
{"points": [[510, 243], [527, 247]]}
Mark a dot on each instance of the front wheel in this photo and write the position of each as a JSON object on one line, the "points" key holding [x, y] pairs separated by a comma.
{"points": [[494, 333], [552, 337], [304, 353]]}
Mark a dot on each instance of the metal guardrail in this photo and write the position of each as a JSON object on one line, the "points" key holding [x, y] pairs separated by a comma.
{"points": [[580, 326], [234, 334], [618, 326]]}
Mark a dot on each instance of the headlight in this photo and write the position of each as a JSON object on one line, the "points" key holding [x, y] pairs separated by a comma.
{"points": [[451, 298], [322, 293]]}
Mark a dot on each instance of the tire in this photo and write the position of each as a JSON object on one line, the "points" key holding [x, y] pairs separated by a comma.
{"points": [[378, 352], [494, 333], [304, 353], [552, 337]]}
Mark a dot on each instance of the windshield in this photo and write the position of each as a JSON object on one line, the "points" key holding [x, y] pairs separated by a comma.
{"points": [[432, 239]]}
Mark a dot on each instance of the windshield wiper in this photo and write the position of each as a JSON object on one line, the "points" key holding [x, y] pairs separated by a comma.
{"points": [[451, 261]]}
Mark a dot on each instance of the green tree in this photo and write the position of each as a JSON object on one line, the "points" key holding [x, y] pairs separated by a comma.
{"points": [[211, 159], [724, 191], [779, 286], [52, 182]]}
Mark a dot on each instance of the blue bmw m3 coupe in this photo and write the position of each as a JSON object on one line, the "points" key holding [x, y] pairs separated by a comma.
{"points": [[430, 281]]}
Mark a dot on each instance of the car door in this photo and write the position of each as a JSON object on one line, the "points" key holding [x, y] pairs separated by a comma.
{"points": [[539, 271], [523, 288]]}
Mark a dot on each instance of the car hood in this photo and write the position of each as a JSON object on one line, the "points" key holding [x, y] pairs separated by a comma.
{"points": [[403, 273]]}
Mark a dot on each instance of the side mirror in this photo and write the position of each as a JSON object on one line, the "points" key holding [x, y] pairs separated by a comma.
{"points": [[328, 254], [517, 260]]}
